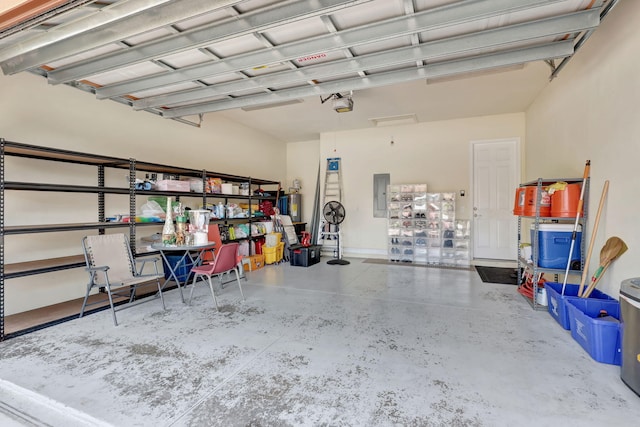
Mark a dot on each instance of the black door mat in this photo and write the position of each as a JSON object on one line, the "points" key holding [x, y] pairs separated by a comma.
{"points": [[501, 275]]}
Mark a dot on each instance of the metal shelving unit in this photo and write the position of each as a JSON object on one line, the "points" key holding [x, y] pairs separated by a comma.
{"points": [[21, 269], [523, 263]]}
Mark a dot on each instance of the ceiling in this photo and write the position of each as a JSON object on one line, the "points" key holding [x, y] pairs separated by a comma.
{"points": [[279, 65]]}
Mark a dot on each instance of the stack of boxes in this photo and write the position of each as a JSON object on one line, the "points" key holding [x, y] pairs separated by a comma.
{"points": [[406, 207], [423, 229]]}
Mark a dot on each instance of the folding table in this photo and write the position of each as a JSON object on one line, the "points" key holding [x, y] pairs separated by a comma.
{"points": [[192, 252]]}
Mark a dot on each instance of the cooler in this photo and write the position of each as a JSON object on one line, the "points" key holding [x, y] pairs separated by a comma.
{"points": [[554, 242], [630, 331]]}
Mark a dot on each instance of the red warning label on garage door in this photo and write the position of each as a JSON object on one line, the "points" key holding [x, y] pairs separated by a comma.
{"points": [[311, 58]]}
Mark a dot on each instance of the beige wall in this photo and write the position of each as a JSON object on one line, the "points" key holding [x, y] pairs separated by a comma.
{"points": [[591, 112], [435, 153], [58, 116]]}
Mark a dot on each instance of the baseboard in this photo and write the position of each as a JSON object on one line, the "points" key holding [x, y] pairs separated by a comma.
{"points": [[365, 253]]}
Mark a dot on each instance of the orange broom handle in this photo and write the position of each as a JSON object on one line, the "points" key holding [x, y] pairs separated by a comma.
{"points": [[587, 170]]}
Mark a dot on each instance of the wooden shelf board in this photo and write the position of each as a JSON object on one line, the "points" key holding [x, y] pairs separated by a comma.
{"points": [[62, 311], [26, 229], [19, 267]]}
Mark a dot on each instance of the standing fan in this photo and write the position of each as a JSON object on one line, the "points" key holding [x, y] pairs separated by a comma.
{"points": [[334, 213]]}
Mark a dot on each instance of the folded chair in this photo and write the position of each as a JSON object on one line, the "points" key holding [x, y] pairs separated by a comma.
{"points": [[224, 262], [111, 266]]}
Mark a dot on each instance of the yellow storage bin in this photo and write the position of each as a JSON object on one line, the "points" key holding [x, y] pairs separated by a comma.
{"points": [[272, 239], [270, 254], [280, 251], [273, 254]]}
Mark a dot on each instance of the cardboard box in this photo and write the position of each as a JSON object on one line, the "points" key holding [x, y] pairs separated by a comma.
{"points": [[253, 262]]}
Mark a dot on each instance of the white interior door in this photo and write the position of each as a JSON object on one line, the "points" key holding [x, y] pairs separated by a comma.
{"points": [[496, 175]]}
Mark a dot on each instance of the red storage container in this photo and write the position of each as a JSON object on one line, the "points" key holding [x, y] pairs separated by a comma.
{"points": [[531, 199], [564, 203], [518, 205], [259, 242]]}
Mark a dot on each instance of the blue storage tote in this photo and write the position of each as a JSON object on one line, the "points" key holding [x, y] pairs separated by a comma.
{"points": [[599, 337], [182, 271], [554, 242], [557, 303]]}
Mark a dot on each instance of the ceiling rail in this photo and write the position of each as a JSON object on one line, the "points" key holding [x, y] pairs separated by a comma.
{"points": [[492, 38], [581, 41], [199, 37], [110, 24], [557, 49], [384, 30]]}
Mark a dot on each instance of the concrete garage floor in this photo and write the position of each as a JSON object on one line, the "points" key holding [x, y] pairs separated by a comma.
{"points": [[357, 345]]}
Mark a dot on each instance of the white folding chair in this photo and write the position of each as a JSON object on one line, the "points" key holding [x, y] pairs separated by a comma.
{"points": [[111, 266]]}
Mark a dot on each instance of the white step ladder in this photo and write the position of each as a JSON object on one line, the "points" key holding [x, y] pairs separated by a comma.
{"points": [[328, 234]]}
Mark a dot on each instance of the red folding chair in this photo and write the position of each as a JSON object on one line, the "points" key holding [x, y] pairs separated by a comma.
{"points": [[224, 262]]}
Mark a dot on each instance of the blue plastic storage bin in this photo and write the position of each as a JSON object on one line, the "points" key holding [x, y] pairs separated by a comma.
{"points": [[600, 338], [557, 302], [554, 242], [182, 270]]}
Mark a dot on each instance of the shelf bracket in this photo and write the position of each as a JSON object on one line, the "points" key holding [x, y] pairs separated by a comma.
{"points": [[101, 197], [2, 145], [132, 205]]}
